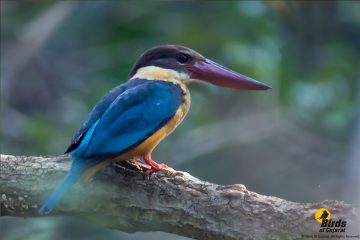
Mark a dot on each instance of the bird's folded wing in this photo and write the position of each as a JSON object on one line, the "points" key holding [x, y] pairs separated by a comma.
{"points": [[99, 110], [131, 118]]}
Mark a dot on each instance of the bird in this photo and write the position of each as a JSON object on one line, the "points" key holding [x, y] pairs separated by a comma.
{"points": [[134, 117]]}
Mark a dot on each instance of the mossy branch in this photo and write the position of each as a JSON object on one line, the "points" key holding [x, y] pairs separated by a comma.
{"points": [[170, 201]]}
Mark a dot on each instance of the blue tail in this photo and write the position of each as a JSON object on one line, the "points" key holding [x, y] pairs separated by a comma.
{"points": [[67, 183]]}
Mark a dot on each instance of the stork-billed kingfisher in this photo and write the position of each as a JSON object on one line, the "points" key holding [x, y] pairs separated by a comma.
{"points": [[133, 118]]}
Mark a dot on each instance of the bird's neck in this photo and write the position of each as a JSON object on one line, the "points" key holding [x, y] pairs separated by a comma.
{"points": [[162, 74]]}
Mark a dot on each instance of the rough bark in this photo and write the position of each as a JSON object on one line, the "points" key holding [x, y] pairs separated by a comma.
{"points": [[169, 201]]}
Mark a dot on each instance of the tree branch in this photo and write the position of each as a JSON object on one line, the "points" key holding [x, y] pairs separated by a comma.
{"points": [[170, 201]]}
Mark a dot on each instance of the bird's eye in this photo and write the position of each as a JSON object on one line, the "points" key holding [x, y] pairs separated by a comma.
{"points": [[183, 58]]}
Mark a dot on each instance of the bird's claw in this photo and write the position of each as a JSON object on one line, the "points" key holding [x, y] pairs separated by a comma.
{"points": [[157, 168]]}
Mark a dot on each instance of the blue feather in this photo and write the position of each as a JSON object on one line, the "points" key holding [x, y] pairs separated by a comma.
{"points": [[72, 177], [123, 118], [132, 117], [99, 109]]}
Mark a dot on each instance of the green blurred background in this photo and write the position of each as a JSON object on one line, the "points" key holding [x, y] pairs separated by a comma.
{"points": [[299, 141]]}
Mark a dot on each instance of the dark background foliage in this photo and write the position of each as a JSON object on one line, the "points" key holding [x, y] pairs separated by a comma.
{"points": [[299, 141]]}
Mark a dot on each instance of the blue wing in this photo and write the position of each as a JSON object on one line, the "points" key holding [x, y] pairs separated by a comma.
{"points": [[126, 116], [131, 118], [99, 109]]}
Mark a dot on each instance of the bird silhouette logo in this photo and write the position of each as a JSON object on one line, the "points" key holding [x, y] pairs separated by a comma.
{"points": [[324, 215], [321, 214]]}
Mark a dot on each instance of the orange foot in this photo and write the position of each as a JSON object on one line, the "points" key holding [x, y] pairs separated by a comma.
{"points": [[155, 167]]}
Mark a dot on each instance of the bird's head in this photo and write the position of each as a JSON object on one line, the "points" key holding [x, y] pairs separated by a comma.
{"points": [[193, 66]]}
